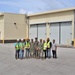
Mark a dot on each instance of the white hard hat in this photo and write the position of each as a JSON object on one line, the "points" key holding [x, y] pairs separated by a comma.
{"points": [[17, 39], [21, 39]]}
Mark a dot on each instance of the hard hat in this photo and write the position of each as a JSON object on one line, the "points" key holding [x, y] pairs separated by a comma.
{"points": [[21, 39], [17, 39], [27, 38]]}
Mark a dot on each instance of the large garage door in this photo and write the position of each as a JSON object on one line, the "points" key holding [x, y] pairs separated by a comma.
{"points": [[54, 32], [33, 31], [66, 32], [41, 32]]}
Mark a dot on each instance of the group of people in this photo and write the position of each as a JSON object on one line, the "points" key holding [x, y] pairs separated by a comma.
{"points": [[26, 48]]}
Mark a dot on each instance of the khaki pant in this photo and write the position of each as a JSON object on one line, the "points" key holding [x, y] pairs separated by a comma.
{"points": [[31, 52]]}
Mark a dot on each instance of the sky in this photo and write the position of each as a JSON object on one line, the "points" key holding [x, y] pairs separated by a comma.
{"points": [[34, 6]]}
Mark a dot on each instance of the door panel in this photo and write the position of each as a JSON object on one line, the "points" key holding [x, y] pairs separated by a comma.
{"points": [[66, 32], [33, 31], [54, 32], [41, 32]]}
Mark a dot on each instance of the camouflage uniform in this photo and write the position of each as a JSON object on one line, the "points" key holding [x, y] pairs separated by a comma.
{"points": [[40, 49], [36, 43], [31, 49]]}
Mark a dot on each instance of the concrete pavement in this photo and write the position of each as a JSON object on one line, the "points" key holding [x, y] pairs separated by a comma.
{"points": [[63, 65]]}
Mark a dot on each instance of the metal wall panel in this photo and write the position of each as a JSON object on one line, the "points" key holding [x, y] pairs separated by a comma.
{"points": [[54, 32], [42, 32], [61, 32], [66, 32], [33, 31]]}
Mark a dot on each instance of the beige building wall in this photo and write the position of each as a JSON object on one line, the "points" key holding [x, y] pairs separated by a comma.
{"points": [[14, 26], [27, 27], [53, 17], [74, 28], [1, 27]]}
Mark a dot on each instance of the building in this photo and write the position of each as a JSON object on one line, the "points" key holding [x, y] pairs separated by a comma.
{"points": [[58, 25], [12, 27]]}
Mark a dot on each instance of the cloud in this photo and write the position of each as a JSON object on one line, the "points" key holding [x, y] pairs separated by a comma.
{"points": [[58, 4], [53, 4], [23, 11], [30, 6]]}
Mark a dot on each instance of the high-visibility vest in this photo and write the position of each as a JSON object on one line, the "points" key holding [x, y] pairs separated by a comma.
{"points": [[45, 46], [21, 45], [17, 46], [48, 44], [27, 45]]}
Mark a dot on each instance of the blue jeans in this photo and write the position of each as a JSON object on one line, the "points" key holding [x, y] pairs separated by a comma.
{"points": [[17, 54], [20, 54], [27, 53], [48, 53]]}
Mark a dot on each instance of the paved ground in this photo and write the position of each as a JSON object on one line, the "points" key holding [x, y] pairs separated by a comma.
{"points": [[64, 65]]}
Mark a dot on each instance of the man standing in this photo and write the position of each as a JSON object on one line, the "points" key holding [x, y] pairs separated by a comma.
{"points": [[31, 48], [21, 49], [36, 47], [23, 45], [40, 48], [48, 51], [27, 48], [17, 49], [44, 48], [54, 48]]}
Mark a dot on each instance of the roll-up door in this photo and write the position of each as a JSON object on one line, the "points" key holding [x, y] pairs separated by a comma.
{"points": [[33, 31], [42, 31], [66, 32], [54, 32]]}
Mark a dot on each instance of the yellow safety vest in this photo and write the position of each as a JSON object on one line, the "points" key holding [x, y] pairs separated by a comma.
{"points": [[21, 45], [48, 44], [45, 46], [17, 46], [27, 45]]}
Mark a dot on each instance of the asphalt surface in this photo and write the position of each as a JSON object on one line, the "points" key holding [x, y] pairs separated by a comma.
{"points": [[63, 65]]}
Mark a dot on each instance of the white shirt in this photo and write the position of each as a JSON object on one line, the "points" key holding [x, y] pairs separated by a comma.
{"points": [[53, 46]]}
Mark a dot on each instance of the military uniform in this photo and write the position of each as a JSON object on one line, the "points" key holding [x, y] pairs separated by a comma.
{"points": [[40, 49], [31, 49], [36, 43]]}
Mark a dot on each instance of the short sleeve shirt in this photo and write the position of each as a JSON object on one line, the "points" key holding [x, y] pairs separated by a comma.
{"points": [[53, 46]]}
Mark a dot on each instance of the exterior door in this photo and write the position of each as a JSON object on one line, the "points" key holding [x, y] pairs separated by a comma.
{"points": [[33, 31], [42, 32], [54, 32], [66, 33]]}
